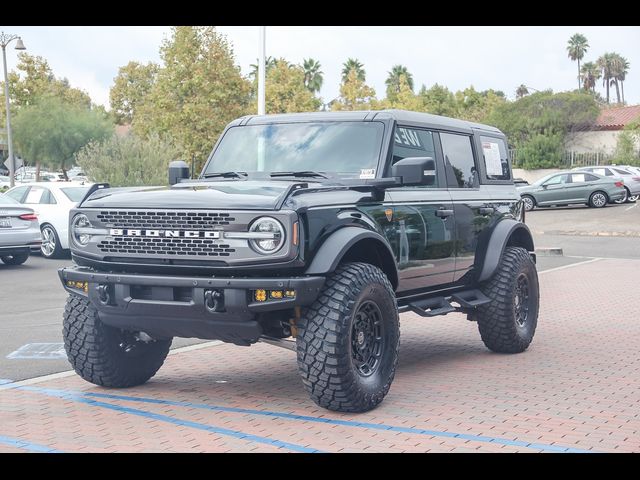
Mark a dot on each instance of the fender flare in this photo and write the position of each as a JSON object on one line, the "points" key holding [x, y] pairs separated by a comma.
{"points": [[500, 237], [334, 248]]}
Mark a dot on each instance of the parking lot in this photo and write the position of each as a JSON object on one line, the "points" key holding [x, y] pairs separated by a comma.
{"points": [[575, 389]]}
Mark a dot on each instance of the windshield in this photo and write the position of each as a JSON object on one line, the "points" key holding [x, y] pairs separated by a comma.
{"points": [[348, 149], [75, 194]]}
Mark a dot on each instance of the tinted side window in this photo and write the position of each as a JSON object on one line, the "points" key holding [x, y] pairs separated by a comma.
{"points": [[496, 158], [458, 161], [621, 172], [412, 142], [47, 198], [557, 180], [591, 178]]}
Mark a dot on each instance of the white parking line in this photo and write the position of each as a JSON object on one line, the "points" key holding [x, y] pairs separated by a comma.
{"points": [[39, 351], [632, 206], [569, 266]]}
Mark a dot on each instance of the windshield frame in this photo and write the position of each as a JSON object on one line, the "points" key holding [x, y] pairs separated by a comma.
{"points": [[387, 128]]}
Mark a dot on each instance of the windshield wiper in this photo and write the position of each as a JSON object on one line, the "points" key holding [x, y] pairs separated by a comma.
{"points": [[302, 173], [226, 174]]}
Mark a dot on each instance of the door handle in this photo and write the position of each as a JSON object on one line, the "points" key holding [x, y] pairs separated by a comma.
{"points": [[486, 210], [443, 213]]}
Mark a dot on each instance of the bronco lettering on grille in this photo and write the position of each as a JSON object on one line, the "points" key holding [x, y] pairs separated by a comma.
{"points": [[137, 232]]}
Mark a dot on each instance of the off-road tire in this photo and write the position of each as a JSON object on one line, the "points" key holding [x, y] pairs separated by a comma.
{"points": [[18, 259], [325, 340], [498, 321], [94, 350]]}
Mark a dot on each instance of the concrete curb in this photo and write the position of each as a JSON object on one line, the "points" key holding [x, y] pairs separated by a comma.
{"points": [[549, 252], [579, 233]]}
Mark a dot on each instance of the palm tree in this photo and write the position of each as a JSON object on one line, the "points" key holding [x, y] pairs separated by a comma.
{"points": [[393, 80], [353, 64], [312, 75], [590, 74], [606, 65], [621, 73], [269, 63], [521, 91], [576, 48], [617, 67]]}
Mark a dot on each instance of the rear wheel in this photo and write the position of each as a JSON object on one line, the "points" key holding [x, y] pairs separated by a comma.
{"points": [[18, 259], [348, 340], [633, 198], [507, 324], [598, 199], [105, 355], [50, 247]]}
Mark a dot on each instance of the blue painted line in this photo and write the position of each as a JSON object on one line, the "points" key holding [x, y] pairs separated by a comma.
{"points": [[80, 397], [31, 447], [5, 381], [349, 423]]}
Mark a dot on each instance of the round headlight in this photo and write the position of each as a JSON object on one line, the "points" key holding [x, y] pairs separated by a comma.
{"points": [[273, 233], [80, 222]]}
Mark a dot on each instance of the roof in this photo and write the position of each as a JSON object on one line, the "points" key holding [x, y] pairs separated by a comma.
{"points": [[403, 116], [616, 118]]}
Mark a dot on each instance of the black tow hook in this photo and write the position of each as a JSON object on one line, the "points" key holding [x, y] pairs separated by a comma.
{"points": [[214, 301], [104, 294]]}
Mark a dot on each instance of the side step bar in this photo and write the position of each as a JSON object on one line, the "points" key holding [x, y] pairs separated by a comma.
{"points": [[432, 307]]}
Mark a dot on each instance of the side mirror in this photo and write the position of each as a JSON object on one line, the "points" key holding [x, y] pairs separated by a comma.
{"points": [[415, 171], [544, 186], [178, 170]]}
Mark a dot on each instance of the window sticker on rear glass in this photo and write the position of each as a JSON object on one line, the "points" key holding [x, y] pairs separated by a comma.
{"points": [[492, 161], [367, 173], [408, 138]]}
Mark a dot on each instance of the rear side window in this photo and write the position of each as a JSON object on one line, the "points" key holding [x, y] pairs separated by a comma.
{"points": [[17, 193], [496, 158], [591, 178], [621, 172], [458, 161]]}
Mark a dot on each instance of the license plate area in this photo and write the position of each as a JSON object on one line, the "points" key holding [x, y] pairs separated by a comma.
{"points": [[5, 222]]}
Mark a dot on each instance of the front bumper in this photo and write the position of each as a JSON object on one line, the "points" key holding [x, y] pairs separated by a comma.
{"points": [[177, 306]]}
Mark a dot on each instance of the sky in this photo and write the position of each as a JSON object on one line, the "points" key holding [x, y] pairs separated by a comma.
{"points": [[486, 57]]}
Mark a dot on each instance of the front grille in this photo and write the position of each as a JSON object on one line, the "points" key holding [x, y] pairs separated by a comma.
{"points": [[167, 220], [165, 246]]}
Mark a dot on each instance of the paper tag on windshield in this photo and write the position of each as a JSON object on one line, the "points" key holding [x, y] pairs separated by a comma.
{"points": [[366, 173]]}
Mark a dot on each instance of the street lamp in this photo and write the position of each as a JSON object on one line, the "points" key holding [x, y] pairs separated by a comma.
{"points": [[6, 39]]}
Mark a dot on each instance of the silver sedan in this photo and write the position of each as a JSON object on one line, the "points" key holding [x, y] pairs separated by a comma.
{"points": [[19, 231]]}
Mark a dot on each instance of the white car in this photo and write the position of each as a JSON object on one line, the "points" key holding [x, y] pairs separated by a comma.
{"points": [[51, 202]]}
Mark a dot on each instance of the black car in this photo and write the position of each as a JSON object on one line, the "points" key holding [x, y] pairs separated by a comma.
{"points": [[309, 231]]}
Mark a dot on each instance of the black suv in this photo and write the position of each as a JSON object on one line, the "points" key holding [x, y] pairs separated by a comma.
{"points": [[316, 227]]}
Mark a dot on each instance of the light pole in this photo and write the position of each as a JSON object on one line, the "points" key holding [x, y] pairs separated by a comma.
{"points": [[261, 68], [6, 39]]}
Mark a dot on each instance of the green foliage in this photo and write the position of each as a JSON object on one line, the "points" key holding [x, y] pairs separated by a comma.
{"points": [[355, 65], [393, 81], [403, 99], [627, 148], [50, 131], [354, 94], [130, 89], [538, 123], [34, 80], [439, 100], [313, 76], [198, 90], [128, 161], [477, 106], [576, 48], [285, 90]]}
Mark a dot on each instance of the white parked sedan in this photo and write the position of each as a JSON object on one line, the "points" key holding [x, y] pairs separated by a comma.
{"points": [[52, 203]]}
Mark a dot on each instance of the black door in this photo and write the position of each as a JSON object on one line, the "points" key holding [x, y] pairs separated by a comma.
{"points": [[420, 223]]}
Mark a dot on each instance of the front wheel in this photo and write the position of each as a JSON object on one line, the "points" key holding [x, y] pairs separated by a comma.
{"points": [[348, 340], [507, 324], [529, 202], [105, 355]]}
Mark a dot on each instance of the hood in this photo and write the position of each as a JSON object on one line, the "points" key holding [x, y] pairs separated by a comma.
{"points": [[234, 194]]}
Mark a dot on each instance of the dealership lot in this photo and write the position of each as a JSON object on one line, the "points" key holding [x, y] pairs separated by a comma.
{"points": [[575, 389]]}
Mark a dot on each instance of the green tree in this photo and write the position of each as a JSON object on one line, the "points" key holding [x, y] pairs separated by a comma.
{"points": [[590, 74], [312, 75], [355, 65], [127, 161], [198, 90], [50, 131], [607, 66], [403, 99], [439, 100], [393, 79], [521, 91], [627, 152], [34, 80], [622, 74], [477, 106], [576, 48], [269, 63], [354, 94], [130, 89], [286, 92]]}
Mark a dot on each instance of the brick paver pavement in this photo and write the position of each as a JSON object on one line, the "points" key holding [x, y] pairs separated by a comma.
{"points": [[576, 388]]}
